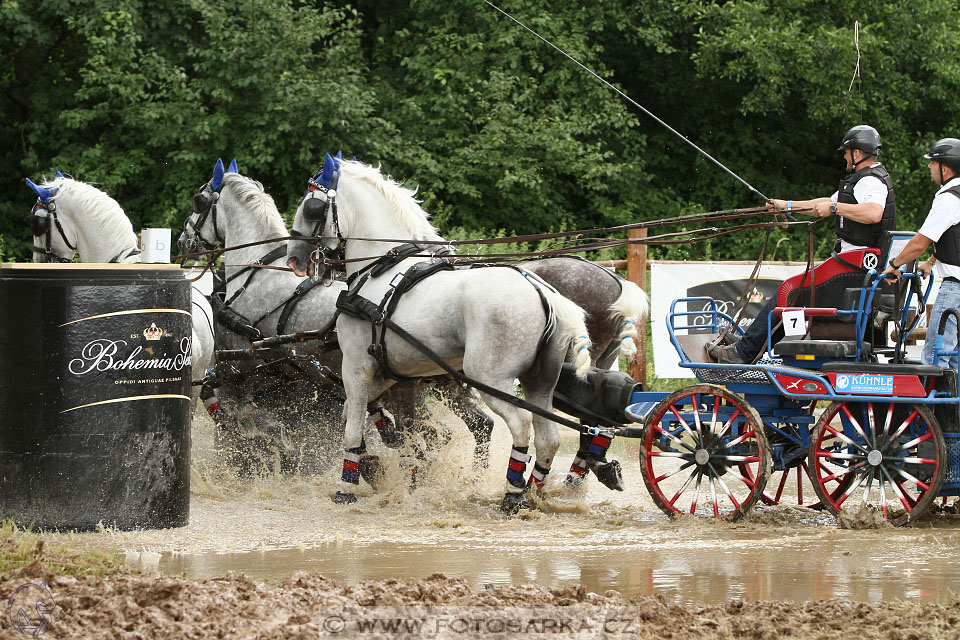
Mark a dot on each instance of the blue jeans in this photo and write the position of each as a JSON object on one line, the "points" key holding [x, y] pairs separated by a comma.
{"points": [[755, 337], [948, 297]]}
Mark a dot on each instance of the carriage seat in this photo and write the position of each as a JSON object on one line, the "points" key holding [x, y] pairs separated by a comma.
{"points": [[793, 346], [884, 368]]}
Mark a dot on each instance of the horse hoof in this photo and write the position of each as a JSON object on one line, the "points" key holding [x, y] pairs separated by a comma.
{"points": [[513, 502], [609, 475], [344, 498], [371, 470]]}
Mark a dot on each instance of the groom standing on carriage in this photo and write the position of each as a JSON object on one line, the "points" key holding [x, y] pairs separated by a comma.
{"points": [[863, 207]]}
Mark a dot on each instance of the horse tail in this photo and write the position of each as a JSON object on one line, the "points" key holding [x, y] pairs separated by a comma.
{"points": [[569, 324], [632, 308]]}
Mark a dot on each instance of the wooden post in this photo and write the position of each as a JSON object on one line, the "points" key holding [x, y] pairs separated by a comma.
{"points": [[637, 273]]}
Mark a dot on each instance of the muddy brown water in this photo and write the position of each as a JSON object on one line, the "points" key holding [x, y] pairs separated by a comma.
{"points": [[269, 527]]}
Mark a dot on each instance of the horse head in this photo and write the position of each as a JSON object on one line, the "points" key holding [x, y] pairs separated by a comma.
{"points": [[54, 236], [197, 234], [317, 216]]}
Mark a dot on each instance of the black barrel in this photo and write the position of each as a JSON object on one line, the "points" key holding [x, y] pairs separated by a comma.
{"points": [[95, 396]]}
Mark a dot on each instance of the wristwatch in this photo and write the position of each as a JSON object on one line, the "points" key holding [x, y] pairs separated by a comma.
{"points": [[893, 265], [833, 207]]}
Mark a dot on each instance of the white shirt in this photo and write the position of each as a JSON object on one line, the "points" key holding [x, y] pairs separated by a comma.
{"points": [[944, 213], [868, 189]]}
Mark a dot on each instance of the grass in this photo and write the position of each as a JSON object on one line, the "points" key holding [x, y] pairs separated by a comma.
{"points": [[19, 547]]}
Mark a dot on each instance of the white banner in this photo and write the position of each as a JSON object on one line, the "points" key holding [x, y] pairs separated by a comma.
{"points": [[723, 282]]}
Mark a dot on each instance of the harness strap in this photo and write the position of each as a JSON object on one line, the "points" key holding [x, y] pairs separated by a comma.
{"points": [[252, 268], [123, 255], [290, 304], [396, 255], [388, 305]]}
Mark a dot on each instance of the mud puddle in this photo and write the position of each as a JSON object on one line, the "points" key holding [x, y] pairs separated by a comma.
{"points": [[268, 528]]}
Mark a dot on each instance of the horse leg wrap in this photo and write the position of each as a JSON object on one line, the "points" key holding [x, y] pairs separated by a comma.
{"points": [[537, 477], [578, 470], [608, 473], [371, 470], [386, 428], [598, 447], [410, 462], [350, 477], [516, 469], [212, 405]]}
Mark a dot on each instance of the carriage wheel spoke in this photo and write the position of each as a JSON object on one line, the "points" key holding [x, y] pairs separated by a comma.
{"points": [[696, 495], [684, 486], [904, 425], [851, 489], [729, 423], [872, 424], [723, 485], [671, 436], [713, 420], [745, 480], [843, 437], [913, 443], [856, 425], [713, 493], [914, 480], [739, 439], [686, 427], [685, 465]]}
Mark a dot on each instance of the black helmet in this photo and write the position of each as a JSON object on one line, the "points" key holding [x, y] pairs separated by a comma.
{"points": [[946, 151], [862, 137]]}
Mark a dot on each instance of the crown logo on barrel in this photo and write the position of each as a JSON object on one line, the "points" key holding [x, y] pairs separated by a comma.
{"points": [[153, 332]]}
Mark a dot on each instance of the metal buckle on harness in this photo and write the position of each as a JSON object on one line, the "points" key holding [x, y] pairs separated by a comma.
{"points": [[397, 279]]}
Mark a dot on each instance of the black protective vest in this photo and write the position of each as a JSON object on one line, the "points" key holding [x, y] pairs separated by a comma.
{"points": [[859, 233], [947, 248]]}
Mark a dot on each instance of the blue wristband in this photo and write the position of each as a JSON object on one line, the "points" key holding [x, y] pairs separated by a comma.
{"points": [[789, 205]]}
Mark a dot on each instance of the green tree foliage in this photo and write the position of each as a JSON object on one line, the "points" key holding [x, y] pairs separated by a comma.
{"points": [[499, 130]]}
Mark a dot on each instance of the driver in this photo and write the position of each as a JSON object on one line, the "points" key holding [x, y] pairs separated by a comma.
{"points": [[942, 229], [863, 207]]}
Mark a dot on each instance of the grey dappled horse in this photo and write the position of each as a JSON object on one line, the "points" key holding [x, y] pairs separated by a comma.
{"points": [[494, 324], [72, 217], [232, 210]]}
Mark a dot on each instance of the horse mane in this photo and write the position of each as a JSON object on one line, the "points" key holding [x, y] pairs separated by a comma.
{"points": [[251, 195], [97, 206], [405, 207]]}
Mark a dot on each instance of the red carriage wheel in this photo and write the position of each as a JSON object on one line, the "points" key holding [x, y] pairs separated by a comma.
{"points": [[704, 452], [885, 458]]}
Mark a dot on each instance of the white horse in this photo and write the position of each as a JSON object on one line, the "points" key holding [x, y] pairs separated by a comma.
{"points": [[494, 324], [232, 210], [73, 217]]}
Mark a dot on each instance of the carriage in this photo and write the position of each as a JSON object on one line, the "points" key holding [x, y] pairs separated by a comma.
{"points": [[824, 423]]}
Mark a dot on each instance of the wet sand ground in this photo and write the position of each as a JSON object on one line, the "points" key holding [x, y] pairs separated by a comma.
{"points": [[783, 572]]}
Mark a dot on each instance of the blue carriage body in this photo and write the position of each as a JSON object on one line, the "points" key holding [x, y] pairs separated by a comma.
{"points": [[786, 389]]}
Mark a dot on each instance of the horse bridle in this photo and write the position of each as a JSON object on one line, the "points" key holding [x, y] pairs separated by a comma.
{"points": [[311, 212], [40, 227], [205, 206]]}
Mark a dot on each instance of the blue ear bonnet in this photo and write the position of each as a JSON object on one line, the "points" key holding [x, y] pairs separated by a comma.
{"points": [[233, 166], [324, 177], [42, 192], [217, 178]]}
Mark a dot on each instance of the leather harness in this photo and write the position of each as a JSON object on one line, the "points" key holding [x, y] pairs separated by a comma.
{"points": [[379, 315]]}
